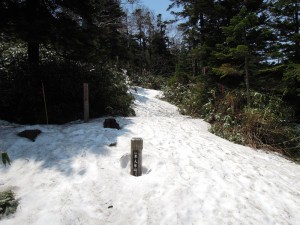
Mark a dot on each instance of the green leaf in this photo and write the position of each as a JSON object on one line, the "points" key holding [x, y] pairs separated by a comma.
{"points": [[227, 70], [5, 158]]}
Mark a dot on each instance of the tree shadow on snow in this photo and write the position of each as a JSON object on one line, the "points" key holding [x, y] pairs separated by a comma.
{"points": [[59, 145]]}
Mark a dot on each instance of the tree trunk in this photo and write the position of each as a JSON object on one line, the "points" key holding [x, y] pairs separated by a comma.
{"points": [[247, 69], [247, 79]]}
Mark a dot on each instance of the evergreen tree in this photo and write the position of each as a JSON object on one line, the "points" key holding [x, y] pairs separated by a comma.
{"points": [[286, 22], [161, 60], [78, 29], [246, 41], [140, 27], [202, 27], [149, 45]]}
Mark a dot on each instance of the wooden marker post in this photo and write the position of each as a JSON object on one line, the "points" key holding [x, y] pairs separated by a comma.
{"points": [[136, 157], [86, 106]]}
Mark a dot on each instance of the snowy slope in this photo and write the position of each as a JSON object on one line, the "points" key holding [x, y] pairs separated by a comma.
{"points": [[71, 176]]}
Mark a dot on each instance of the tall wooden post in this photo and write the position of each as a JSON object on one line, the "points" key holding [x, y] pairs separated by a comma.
{"points": [[136, 157], [86, 106]]}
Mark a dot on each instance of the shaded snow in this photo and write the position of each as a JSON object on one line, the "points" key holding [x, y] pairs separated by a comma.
{"points": [[69, 175]]}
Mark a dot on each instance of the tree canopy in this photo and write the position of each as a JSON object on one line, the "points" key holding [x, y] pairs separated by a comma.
{"points": [[76, 29]]}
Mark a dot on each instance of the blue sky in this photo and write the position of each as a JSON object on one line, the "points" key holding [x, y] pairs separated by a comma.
{"points": [[158, 6]]}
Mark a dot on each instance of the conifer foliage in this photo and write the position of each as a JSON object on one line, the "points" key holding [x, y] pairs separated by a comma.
{"points": [[52, 47], [239, 69], [76, 29]]}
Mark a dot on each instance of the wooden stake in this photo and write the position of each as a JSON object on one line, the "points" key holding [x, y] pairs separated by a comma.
{"points": [[45, 104], [86, 102], [136, 157]]}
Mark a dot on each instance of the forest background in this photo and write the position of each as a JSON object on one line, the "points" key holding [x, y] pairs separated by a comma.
{"points": [[234, 63]]}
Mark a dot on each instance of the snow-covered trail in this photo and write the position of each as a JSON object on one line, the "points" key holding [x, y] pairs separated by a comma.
{"points": [[190, 176]]}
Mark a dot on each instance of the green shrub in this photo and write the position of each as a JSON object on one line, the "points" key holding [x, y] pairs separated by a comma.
{"points": [[8, 203], [188, 97], [292, 79], [147, 80], [267, 124], [5, 158], [63, 82], [177, 94]]}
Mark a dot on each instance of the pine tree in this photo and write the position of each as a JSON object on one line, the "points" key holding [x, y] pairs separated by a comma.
{"points": [[246, 41], [78, 29], [162, 61], [286, 22], [202, 27]]}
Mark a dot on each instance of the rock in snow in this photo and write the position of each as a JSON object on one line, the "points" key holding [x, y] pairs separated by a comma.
{"points": [[30, 134], [70, 175], [111, 123]]}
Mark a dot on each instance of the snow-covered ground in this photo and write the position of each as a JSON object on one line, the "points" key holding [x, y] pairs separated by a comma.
{"points": [[70, 175]]}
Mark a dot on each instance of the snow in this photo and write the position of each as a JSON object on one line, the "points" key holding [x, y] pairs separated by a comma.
{"points": [[71, 176]]}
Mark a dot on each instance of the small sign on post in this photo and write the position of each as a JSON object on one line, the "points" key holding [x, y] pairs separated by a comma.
{"points": [[136, 157], [86, 106]]}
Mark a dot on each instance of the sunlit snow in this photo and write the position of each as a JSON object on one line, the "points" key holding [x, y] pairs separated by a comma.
{"points": [[70, 175]]}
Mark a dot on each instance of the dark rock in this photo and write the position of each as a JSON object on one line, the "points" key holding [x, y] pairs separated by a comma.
{"points": [[113, 144], [111, 123], [110, 207], [30, 134]]}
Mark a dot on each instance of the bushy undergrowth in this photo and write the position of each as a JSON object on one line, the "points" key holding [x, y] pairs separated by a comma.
{"points": [[267, 123], [22, 99], [147, 80], [8, 203], [188, 97]]}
